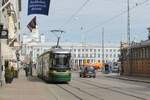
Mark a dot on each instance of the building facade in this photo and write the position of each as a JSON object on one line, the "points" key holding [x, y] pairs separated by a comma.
{"points": [[135, 59], [90, 53], [10, 20]]}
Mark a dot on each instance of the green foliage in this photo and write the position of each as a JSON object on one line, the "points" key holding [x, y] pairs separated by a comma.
{"points": [[8, 73]]}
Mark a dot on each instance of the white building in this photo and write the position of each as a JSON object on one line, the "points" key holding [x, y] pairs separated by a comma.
{"points": [[90, 52]]}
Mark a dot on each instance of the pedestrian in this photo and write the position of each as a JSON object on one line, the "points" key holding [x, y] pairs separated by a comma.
{"points": [[26, 71]]}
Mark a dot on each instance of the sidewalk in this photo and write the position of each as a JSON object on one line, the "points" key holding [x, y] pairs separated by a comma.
{"points": [[24, 88], [129, 78]]}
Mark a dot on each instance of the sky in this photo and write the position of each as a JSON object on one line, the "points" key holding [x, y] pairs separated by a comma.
{"points": [[86, 25]]}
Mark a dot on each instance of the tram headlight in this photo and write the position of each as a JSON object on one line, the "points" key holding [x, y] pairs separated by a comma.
{"points": [[67, 71], [54, 71]]}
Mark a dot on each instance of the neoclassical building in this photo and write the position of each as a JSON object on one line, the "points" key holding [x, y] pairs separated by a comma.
{"points": [[33, 47]]}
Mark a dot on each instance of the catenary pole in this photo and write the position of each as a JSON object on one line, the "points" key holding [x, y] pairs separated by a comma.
{"points": [[128, 36]]}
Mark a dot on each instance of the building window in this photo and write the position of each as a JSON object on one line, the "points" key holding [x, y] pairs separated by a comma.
{"points": [[114, 55], [37, 55], [79, 50], [83, 50], [95, 55], [74, 55], [114, 50], [74, 50], [91, 50], [110, 55], [106, 55], [87, 50], [118, 55], [94, 50], [82, 55], [87, 56], [91, 55], [99, 55], [79, 55], [99, 50], [106, 50], [110, 50], [38, 50]]}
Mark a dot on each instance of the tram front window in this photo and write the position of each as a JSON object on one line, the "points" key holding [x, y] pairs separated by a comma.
{"points": [[61, 60]]}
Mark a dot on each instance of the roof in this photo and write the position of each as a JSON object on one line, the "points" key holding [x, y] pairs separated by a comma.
{"points": [[141, 44], [71, 45]]}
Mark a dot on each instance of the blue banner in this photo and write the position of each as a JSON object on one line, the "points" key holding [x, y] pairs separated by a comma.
{"points": [[38, 7]]}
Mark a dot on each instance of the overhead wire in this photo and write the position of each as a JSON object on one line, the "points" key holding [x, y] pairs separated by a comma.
{"points": [[77, 11], [116, 16]]}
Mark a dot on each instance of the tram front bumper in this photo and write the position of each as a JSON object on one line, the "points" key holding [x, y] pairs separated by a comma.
{"points": [[60, 76]]}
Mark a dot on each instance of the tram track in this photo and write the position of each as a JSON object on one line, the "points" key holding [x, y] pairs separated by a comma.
{"points": [[110, 89], [70, 92], [79, 89], [86, 92]]}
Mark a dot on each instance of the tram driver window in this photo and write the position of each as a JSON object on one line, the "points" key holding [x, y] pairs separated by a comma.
{"points": [[61, 61]]}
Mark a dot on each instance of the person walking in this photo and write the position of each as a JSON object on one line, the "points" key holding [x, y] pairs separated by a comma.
{"points": [[26, 71]]}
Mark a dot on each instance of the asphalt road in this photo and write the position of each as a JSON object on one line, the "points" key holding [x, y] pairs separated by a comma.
{"points": [[99, 88]]}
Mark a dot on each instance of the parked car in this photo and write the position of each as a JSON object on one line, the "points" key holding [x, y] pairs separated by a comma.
{"points": [[87, 71]]}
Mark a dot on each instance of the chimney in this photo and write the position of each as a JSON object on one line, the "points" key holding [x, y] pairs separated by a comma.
{"points": [[148, 32]]}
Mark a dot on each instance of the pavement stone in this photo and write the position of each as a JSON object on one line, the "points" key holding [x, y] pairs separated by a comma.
{"points": [[24, 88]]}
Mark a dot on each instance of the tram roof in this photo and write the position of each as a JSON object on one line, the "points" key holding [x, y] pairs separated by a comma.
{"points": [[59, 50], [56, 50]]}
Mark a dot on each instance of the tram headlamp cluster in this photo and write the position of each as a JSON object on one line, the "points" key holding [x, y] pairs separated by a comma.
{"points": [[54, 71], [67, 71]]}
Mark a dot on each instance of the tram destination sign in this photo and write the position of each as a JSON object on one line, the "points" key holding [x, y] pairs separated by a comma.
{"points": [[38, 7]]}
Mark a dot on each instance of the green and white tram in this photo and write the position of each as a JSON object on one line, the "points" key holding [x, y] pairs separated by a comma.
{"points": [[54, 65]]}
